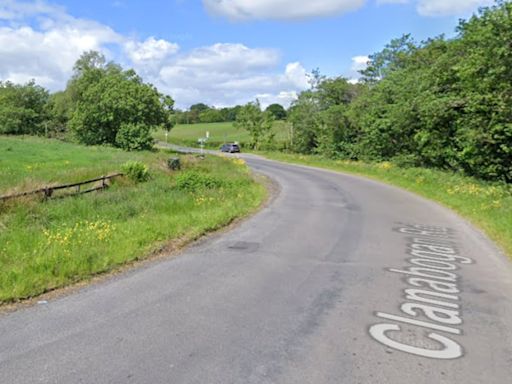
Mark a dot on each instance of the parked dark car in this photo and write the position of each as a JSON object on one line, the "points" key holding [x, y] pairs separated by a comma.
{"points": [[230, 147]]}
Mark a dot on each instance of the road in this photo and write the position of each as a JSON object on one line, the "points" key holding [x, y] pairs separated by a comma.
{"points": [[338, 280]]}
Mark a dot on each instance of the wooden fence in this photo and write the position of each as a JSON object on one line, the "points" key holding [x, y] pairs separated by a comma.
{"points": [[47, 192]]}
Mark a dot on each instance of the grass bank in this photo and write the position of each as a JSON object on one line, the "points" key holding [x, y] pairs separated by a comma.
{"points": [[188, 134], [46, 245], [487, 205]]}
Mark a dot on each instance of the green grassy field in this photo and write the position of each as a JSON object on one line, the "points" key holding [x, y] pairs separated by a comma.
{"points": [[46, 245], [487, 205], [188, 134]]}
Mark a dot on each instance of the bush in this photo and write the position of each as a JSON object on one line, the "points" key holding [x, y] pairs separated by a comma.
{"points": [[174, 163], [194, 181], [134, 137], [136, 171]]}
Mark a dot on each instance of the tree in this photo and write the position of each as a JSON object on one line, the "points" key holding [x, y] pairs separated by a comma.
{"points": [[211, 115], [303, 116], [277, 110], [392, 57], [257, 123], [485, 122], [23, 108], [60, 108], [319, 118], [116, 107], [195, 110]]}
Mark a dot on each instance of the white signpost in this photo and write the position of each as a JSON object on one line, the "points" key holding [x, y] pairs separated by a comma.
{"points": [[202, 141]]}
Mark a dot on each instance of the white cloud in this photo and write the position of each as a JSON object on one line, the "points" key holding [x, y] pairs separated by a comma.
{"points": [[227, 74], [443, 7], [228, 57], [48, 54], [42, 42], [296, 10], [283, 98], [280, 9], [15, 10], [359, 63], [450, 7], [151, 50]]}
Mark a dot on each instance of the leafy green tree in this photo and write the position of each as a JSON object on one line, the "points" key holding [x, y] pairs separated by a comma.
{"points": [[257, 123], [113, 106], [319, 118], [211, 115], [485, 121], [194, 113], [233, 112], [443, 103], [23, 108], [391, 58], [60, 108], [134, 137], [277, 110], [303, 116]]}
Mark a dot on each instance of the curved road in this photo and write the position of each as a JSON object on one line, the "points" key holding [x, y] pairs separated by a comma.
{"points": [[339, 280]]}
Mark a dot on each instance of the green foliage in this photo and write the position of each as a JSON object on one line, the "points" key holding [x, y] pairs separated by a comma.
{"points": [[23, 109], [393, 57], [440, 103], [320, 118], [136, 171], [202, 113], [257, 123], [114, 106], [193, 181], [212, 115], [48, 245], [303, 116], [60, 107], [133, 137], [277, 110]]}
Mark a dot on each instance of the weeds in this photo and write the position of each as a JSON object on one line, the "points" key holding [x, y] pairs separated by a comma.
{"points": [[49, 245]]}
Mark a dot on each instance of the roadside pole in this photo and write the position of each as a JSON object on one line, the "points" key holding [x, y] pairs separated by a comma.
{"points": [[202, 141]]}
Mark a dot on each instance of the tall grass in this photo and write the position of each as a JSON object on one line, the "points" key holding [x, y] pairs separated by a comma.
{"points": [[46, 245]]}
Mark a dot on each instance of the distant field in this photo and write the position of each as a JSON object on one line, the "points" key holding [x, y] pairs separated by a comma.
{"points": [[188, 134], [46, 245]]}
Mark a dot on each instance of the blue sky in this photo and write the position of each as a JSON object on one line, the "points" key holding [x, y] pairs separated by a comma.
{"points": [[221, 52]]}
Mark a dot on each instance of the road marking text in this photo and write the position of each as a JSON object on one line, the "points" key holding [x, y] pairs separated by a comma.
{"points": [[433, 293]]}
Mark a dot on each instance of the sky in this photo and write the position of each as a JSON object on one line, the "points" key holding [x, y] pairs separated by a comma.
{"points": [[218, 52]]}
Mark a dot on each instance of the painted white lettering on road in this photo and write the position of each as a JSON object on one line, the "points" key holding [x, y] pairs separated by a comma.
{"points": [[434, 296]]}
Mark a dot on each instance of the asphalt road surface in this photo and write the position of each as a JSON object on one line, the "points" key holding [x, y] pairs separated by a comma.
{"points": [[338, 280]]}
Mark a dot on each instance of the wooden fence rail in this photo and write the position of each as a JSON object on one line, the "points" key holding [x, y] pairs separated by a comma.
{"points": [[47, 192]]}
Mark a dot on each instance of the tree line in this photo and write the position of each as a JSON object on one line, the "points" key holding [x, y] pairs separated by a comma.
{"points": [[203, 113], [102, 104], [444, 103]]}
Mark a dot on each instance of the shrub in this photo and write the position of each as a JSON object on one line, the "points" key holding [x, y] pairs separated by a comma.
{"points": [[174, 163], [134, 137], [193, 181], [136, 171]]}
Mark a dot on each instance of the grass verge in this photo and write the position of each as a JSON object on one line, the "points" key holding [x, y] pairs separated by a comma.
{"points": [[47, 245], [487, 205]]}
